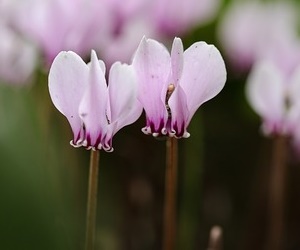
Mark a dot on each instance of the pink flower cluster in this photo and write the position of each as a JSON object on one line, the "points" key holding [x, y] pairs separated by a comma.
{"points": [[262, 37], [169, 86], [111, 27], [254, 30]]}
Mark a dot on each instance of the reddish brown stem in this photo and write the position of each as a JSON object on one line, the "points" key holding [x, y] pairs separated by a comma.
{"points": [[92, 201], [276, 194], [170, 225]]}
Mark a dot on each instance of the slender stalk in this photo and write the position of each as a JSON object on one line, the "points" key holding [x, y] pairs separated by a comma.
{"points": [[92, 201], [277, 191], [215, 239], [169, 233]]}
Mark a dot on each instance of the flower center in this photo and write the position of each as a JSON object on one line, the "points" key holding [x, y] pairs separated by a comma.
{"points": [[170, 90]]}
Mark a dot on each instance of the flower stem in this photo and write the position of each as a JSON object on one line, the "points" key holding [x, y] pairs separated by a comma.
{"points": [[169, 233], [276, 196], [92, 201]]}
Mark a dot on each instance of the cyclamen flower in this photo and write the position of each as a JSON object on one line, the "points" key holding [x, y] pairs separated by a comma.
{"points": [[274, 95], [249, 29], [18, 58], [95, 111], [172, 87], [56, 25], [174, 17]]}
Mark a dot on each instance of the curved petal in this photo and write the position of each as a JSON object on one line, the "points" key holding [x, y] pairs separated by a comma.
{"points": [[122, 88], [93, 106], [179, 113], [203, 75], [177, 60], [265, 92], [68, 78], [176, 69], [152, 65], [102, 65]]}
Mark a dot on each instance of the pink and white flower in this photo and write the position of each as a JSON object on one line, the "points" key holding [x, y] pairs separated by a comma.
{"points": [[56, 25], [18, 57], [249, 29], [274, 96], [173, 86], [175, 17], [95, 111]]}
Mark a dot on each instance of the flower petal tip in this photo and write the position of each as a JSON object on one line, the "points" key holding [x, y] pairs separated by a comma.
{"points": [[146, 130], [186, 135], [78, 144]]}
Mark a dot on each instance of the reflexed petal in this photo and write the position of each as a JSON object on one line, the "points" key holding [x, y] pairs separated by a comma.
{"points": [[177, 60], [179, 113], [122, 87], [266, 93], [152, 65], [203, 76], [92, 109], [67, 83], [102, 66]]}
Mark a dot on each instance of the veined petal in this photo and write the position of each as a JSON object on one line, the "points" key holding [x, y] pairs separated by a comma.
{"points": [[93, 106], [67, 82], [203, 75], [179, 113], [152, 65], [265, 92], [122, 88]]}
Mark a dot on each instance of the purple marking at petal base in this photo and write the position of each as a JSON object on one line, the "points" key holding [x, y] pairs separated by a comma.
{"points": [[88, 140], [159, 129], [98, 141], [179, 131]]}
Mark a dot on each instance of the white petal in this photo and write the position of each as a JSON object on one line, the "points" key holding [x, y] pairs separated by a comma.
{"points": [[67, 82], [93, 106], [177, 60], [152, 65], [203, 76], [124, 105], [265, 91]]}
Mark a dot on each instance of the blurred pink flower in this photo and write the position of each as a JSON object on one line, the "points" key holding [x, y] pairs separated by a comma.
{"points": [[56, 25], [172, 87], [122, 45], [121, 10], [250, 29], [113, 28], [274, 95], [18, 58], [175, 17], [95, 111], [133, 19]]}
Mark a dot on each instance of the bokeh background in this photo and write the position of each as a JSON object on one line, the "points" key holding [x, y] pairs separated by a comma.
{"points": [[224, 167]]}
